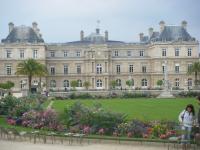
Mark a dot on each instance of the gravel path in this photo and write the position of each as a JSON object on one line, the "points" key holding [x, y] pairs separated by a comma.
{"points": [[13, 145]]}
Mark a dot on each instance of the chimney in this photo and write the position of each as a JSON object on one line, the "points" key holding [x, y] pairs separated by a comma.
{"points": [[97, 30], [150, 32], [81, 35], [34, 25], [141, 36], [106, 35], [184, 24], [162, 25], [11, 26]]}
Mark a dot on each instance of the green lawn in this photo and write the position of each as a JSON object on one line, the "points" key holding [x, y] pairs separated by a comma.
{"points": [[140, 108]]}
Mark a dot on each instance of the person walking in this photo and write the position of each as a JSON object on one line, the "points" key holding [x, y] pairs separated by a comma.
{"points": [[197, 134], [186, 118]]}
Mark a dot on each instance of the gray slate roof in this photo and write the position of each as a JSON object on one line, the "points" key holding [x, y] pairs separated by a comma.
{"points": [[23, 34], [172, 33]]}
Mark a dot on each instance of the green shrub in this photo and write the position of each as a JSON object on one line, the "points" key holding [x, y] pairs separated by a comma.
{"points": [[13, 106], [95, 117], [133, 95], [7, 85], [189, 94]]}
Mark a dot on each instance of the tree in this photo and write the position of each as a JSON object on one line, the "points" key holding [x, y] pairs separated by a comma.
{"points": [[74, 84], [30, 68], [42, 72], [7, 85], [195, 68], [159, 83], [129, 83], [86, 84], [113, 84]]}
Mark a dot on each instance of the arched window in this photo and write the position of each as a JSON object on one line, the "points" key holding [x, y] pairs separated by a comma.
{"points": [[118, 82], [99, 83], [52, 83], [79, 83], [66, 83], [144, 82]]}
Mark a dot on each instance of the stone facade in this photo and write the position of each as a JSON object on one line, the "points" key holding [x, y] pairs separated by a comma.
{"points": [[99, 60]]}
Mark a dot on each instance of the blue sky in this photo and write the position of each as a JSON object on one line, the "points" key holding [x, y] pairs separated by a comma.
{"points": [[62, 20]]}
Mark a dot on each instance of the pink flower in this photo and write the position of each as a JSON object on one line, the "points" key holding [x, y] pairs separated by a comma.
{"points": [[101, 131], [129, 134], [86, 130], [11, 121]]}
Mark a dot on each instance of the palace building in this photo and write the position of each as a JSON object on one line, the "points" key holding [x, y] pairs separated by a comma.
{"points": [[100, 60]]}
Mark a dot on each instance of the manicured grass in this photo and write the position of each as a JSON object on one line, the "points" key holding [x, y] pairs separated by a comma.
{"points": [[139, 108]]}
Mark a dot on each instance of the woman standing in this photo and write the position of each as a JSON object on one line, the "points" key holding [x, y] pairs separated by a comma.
{"points": [[186, 118]]}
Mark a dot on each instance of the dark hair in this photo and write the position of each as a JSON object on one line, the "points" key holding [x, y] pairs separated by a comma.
{"points": [[192, 108], [198, 97]]}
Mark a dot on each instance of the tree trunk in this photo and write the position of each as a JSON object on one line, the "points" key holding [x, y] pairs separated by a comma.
{"points": [[29, 83]]}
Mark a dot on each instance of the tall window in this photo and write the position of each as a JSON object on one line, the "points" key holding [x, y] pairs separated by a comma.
{"points": [[116, 53], [78, 68], [65, 69], [99, 83], [130, 68], [177, 68], [8, 69], [144, 82], [189, 67], [8, 54], [35, 53], [65, 53], [189, 82], [128, 53], [118, 82], [22, 84], [66, 83], [141, 53], [52, 83], [52, 53], [78, 54], [144, 69], [189, 52], [52, 70], [177, 82], [79, 83], [164, 52], [99, 68], [21, 53], [118, 69], [163, 68], [177, 52]]}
